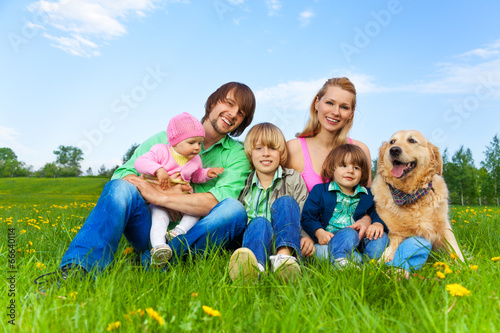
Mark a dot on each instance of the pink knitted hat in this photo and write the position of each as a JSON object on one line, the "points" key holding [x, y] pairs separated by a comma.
{"points": [[182, 127]]}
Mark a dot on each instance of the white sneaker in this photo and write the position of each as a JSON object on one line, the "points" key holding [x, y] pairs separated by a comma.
{"points": [[170, 235], [160, 255], [174, 233], [243, 265], [286, 266], [341, 263]]}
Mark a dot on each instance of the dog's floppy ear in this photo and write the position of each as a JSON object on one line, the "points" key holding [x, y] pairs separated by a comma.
{"points": [[381, 153], [436, 160]]}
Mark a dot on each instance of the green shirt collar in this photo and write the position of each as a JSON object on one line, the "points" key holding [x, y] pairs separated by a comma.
{"points": [[277, 175], [359, 189], [226, 143]]}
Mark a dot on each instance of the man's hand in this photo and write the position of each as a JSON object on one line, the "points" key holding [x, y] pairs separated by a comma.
{"points": [[151, 192], [307, 246], [323, 236], [361, 225], [214, 172]]}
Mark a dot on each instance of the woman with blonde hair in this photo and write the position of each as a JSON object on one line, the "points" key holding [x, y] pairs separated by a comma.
{"points": [[331, 118]]}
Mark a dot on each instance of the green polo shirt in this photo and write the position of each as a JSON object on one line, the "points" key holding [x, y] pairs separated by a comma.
{"points": [[226, 153], [344, 209], [257, 199]]}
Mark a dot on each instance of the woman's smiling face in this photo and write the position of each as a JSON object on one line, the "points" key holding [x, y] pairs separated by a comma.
{"points": [[334, 108]]}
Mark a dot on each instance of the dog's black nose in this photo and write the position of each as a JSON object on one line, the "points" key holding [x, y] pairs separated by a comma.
{"points": [[395, 151]]}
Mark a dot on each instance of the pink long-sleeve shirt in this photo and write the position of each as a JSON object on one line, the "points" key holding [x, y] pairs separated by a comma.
{"points": [[159, 156]]}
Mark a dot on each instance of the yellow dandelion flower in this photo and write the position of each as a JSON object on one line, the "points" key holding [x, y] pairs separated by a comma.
{"points": [[194, 294], [113, 326], [447, 270], [210, 311], [30, 243], [474, 267], [22, 231], [457, 290], [128, 250], [439, 264], [153, 314], [495, 259], [40, 265], [453, 256], [440, 275]]}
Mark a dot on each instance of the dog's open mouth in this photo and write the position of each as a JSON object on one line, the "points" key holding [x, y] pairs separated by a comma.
{"points": [[400, 169]]}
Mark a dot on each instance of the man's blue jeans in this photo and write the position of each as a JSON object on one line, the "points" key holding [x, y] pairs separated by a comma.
{"points": [[122, 210], [345, 244], [284, 227]]}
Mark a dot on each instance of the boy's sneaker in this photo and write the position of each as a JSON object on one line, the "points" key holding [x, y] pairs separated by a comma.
{"points": [[341, 263], [160, 255], [286, 266], [243, 265]]}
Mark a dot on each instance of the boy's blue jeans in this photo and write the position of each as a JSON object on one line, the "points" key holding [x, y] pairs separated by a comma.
{"points": [[345, 244], [284, 227], [122, 210]]}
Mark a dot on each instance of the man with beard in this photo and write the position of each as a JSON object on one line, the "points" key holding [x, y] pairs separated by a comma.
{"points": [[122, 207]]}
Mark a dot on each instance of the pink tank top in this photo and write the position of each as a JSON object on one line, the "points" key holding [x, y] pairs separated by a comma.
{"points": [[310, 176]]}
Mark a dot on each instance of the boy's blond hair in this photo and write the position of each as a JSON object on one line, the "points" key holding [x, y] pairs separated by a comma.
{"points": [[270, 136]]}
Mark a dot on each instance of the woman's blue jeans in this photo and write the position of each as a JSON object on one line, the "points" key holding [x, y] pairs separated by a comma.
{"points": [[412, 253], [122, 210], [284, 228], [345, 244]]}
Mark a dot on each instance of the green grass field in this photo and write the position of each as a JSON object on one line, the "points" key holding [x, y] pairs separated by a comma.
{"points": [[39, 217]]}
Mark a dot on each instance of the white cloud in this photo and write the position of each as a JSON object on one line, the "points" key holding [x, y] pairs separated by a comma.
{"points": [[8, 139], [459, 78], [7, 135], [305, 17], [81, 21], [273, 6], [75, 45], [298, 95], [489, 51]]}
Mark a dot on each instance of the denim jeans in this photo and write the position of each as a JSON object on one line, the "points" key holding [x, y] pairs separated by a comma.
{"points": [[345, 244], [412, 253], [122, 210], [284, 227]]}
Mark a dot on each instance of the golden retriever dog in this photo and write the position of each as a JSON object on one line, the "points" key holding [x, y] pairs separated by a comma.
{"points": [[410, 194]]}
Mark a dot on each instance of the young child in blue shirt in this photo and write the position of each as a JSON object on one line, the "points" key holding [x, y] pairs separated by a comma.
{"points": [[273, 197], [332, 208]]}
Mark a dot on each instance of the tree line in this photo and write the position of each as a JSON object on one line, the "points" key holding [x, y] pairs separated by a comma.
{"points": [[67, 164], [468, 185]]}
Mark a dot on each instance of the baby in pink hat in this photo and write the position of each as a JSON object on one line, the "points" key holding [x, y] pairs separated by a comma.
{"points": [[177, 162]]}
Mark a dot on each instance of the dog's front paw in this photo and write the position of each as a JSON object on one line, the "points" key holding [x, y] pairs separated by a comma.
{"points": [[388, 254]]}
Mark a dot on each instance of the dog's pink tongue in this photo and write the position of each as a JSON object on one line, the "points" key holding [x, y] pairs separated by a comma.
{"points": [[398, 170]]}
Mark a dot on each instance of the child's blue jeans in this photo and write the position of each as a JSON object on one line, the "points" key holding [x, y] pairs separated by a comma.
{"points": [[411, 254], [284, 228], [345, 244], [121, 209]]}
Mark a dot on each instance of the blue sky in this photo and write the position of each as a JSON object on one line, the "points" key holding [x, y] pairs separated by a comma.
{"points": [[102, 75]]}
